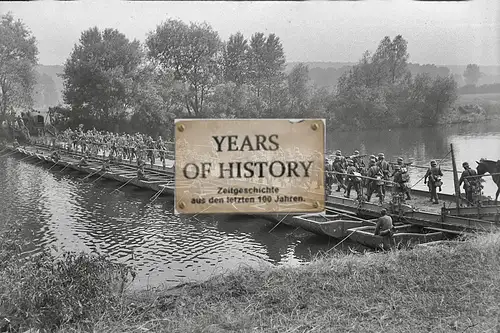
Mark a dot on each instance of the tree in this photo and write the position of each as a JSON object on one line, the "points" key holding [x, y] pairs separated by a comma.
{"points": [[156, 103], [440, 94], [472, 74], [266, 62], [236, 59], [18, 57], [298, 89], [391, 59], [193, 53], [100, 74]]}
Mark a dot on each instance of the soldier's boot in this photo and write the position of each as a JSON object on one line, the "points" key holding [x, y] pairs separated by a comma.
{"points": [[348, 193]]}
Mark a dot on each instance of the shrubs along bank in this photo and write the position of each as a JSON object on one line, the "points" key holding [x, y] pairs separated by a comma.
{"points": [[454, 287]]}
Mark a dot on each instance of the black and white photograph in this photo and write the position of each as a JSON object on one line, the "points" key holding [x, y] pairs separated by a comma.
{"points": [[96, 233]]}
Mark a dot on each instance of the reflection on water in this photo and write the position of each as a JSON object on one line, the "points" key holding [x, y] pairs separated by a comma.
{"points": [[59, 209]]}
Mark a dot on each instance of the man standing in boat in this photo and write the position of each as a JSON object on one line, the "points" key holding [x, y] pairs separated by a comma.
{"points": [[470, 182], [384, 226], [434, 175]]}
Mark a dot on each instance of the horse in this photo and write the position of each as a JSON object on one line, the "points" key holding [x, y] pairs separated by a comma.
{"points": [[491, 167]]}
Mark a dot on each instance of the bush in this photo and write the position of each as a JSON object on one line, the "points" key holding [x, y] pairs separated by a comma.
{"points": [[44, 292]]}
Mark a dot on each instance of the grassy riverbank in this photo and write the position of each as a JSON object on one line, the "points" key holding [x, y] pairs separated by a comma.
{"points": [[439, 289], [436, 289]]}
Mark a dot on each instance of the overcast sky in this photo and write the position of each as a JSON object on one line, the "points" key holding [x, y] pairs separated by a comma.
{"points": [[453, 33]]}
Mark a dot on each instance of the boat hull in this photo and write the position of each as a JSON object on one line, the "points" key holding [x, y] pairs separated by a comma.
{"points": [[405, 236], [335, 226]]}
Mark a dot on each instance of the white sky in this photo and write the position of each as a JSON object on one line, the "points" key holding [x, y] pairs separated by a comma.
{"points": [[443, 33]]}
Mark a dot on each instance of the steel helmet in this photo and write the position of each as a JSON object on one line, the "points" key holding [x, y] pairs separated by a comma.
{"points": [[465, 164], [338, 153], [433, 162], [400, 159], [356, 152]]}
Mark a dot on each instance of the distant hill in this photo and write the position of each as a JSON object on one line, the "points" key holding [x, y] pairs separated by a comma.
{"points": [[326, 74]]}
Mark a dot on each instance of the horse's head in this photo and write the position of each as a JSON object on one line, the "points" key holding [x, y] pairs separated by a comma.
{"points": [[489, 166]]}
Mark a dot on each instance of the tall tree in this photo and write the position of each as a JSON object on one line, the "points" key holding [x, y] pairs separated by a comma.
{"points": [[193, 53], [257, 61], [472, 74], [298, 89], [99, 75], [236, 59], [266, 62], [391, 59], [18, 57]]}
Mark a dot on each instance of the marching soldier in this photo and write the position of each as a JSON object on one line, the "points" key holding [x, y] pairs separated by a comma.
{"points": [[352, 179], [358, 161], [384, 168], [328, 177], [375, 183], [470, 182], [342, 159], [339, 171], [434, 175]]}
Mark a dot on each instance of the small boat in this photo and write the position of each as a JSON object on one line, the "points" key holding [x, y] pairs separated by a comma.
{"points": [[405, 235], [332, 225]]}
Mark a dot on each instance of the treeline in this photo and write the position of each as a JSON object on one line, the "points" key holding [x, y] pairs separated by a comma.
{"points": [[181, 70], [185, 70], [482, 89], [329, 77]]}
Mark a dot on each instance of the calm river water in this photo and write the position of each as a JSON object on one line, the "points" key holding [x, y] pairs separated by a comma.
{"points": [[57, 210]]}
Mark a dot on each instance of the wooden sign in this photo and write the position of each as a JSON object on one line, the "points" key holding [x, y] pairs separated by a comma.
{"points": [[249, 166]]}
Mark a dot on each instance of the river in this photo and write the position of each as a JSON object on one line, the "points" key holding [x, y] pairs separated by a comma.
{"points": [[59, 211]]}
